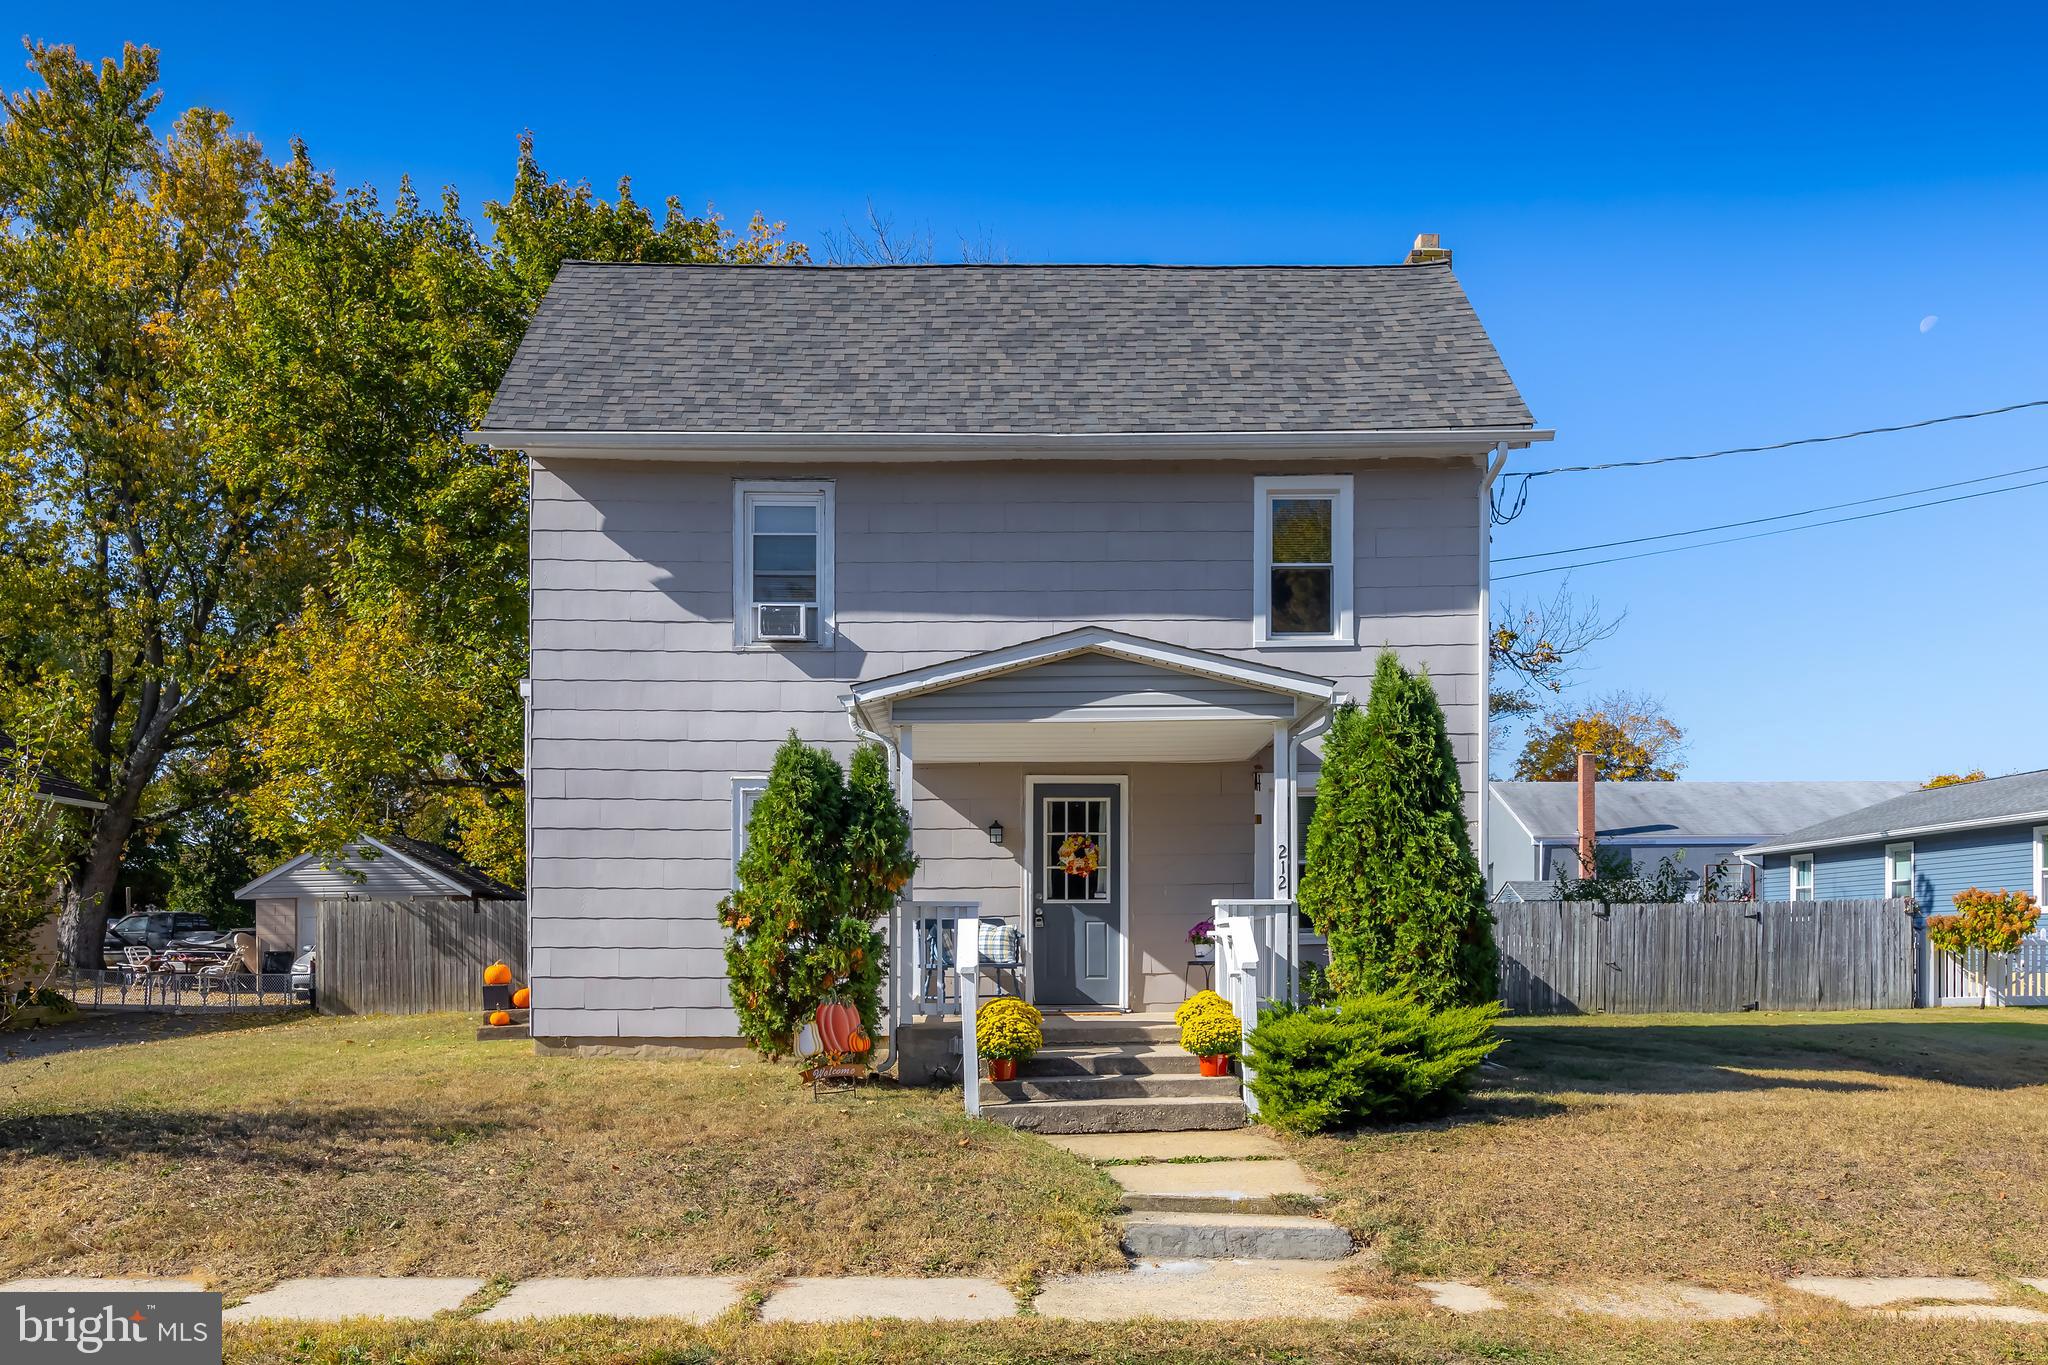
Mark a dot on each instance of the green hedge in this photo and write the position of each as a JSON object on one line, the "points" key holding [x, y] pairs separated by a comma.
{"points": [[1365, 1059]]}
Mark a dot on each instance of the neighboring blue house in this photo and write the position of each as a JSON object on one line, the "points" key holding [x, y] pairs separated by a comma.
{"points": [[1928, 845]]}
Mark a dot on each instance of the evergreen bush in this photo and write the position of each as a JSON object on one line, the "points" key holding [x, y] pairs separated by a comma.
{"points": [[1378, 1058], [1391, 878], [823, 862]]}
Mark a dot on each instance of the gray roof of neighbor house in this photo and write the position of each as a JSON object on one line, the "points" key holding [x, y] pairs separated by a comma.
{"points": [[1003, 349], [2016, 798], [1717, 812], [1526, 891], [53, 785], [448, 864]]}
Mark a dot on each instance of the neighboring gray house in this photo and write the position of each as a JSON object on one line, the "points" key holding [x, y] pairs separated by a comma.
{"points": [[1094, 550], [1927, 845], [1533, 835], [287, 898]]}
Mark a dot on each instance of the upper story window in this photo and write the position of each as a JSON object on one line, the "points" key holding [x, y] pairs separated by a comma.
{"points": [[1898, 871], [782, 562], [1301, 583], [1802, 876]]}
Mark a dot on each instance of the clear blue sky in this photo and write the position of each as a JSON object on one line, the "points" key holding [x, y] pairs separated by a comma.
{"points": [[1686, 227]]}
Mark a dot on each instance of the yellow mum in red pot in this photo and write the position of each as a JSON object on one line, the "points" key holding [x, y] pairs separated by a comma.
{"points": [[1214, 1034]]}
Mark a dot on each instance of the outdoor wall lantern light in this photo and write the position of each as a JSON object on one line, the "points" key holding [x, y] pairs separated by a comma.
{"points": [[995, 832]]}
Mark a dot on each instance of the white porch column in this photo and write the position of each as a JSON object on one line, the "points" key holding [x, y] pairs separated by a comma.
{"points": [[903, 953], [1282, 838]]}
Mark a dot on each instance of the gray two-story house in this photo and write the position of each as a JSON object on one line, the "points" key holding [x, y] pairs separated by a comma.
{"points": [[1093, 550]]}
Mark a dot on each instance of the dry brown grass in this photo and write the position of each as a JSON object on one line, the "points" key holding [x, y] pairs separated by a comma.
{"points": [[402, 1146], [1724, 1150], [1410, 1338]]}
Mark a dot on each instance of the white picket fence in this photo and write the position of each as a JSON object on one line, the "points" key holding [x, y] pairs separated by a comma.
{"points": [[2021, 979]]}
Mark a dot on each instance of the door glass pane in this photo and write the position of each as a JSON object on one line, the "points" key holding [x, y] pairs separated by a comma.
{"points": [[1301, 531], [1301, 602], [1075, 848]]}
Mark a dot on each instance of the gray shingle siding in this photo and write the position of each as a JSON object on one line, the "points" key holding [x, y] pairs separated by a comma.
{"points": [[643, 710], [1037, 349]]}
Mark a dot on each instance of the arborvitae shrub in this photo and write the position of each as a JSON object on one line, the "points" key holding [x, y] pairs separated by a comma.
{"points": [[1391, 876], [1379, 1058]]}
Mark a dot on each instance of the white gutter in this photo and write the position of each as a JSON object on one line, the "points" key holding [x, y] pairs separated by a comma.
{"points": [[1903, 832], [916, 445]]}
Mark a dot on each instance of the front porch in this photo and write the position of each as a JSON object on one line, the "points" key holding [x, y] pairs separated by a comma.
{"points": [[1094, 794]]}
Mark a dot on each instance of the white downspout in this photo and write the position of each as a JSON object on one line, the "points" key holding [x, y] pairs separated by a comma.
{"points": [[1485, 793]]}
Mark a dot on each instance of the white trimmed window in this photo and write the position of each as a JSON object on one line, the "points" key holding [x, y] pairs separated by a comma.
{"points": [[746, 791], [1802, 876], [782, 562], [1898, 871], [1302, 552], [2041, 865]]}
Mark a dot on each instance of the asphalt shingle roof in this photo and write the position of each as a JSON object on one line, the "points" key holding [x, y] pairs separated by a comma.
{"points": [[1021, 349], [1708, 811], [445, 862], [54, 785], [1989, 802]]}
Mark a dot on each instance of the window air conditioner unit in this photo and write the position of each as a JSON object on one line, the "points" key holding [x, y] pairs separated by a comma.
{"points": [[782, 620]]}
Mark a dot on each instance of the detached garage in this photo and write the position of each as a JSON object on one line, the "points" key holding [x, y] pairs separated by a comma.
{"points": [[394, 868]]}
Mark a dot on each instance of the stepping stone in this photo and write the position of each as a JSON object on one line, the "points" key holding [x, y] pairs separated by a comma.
{"points": [[692, 1298], [1460, 1298], [331, 1300], [1662, 1303], [1875, 1291], [853, 1297], [1235, 1143], [1257, 1236], [1208, 1291], [1213, 1186], [89, 1284], [1973, 1312]]}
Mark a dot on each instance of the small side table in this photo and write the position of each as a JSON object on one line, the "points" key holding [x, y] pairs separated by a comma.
{"points": [[1208, 966]]}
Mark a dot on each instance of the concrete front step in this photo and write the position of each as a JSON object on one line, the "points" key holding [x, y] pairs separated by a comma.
{"points": [[1063, 1030], [1130, 1059], [1216, 1187], [1112, 1088], [1171, 1115], [1263, 1237]]}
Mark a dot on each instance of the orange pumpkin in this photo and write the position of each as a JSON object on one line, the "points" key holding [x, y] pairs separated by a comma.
{"points": [[520, 997], [499, 1018], [838, 1026], [861, 1043], [497, 974]]}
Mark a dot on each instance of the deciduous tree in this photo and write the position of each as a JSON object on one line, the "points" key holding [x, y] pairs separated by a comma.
{"points": [[1628, 734]]}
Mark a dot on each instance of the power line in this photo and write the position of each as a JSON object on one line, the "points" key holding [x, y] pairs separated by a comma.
{"points": [[1780, 531], [1521, 497], [1782, 516]]}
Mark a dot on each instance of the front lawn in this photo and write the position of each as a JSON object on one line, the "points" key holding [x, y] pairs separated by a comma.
{"points": [[1727, 1150], [394, 1146]]}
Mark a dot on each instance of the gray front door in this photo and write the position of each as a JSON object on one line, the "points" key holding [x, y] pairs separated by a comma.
{"points": [[1076, 863]]}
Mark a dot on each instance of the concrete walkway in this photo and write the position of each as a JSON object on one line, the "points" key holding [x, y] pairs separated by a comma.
{"points": [[1222, 1289]]}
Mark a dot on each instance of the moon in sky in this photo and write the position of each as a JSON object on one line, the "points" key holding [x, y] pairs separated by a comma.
{"points": [[1927, 323]]}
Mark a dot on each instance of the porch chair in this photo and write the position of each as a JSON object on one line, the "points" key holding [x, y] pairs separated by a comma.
{"points": [[1002, 951]]}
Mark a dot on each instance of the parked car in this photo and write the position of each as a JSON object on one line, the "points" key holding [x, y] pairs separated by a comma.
{"points": [[156, 929], [303, 974]]}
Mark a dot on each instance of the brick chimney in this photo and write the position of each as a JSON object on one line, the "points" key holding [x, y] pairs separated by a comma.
{"points": [[1587, 821], [1428, 250]]}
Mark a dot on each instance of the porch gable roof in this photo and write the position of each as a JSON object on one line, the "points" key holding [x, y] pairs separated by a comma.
{"points": [[1091, 690]]}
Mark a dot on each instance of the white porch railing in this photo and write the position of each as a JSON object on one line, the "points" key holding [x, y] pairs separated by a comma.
{"points": [[1258, 962], [2019, 979]]}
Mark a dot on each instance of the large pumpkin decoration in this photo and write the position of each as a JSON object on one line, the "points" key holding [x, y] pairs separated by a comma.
{"points": [[499, 1018], [838, 1026], [520, 997], [497, 974]]}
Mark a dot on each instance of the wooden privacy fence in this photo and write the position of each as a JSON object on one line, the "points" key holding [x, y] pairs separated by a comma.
{"points": [[414, 956], [1581, 957]]}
